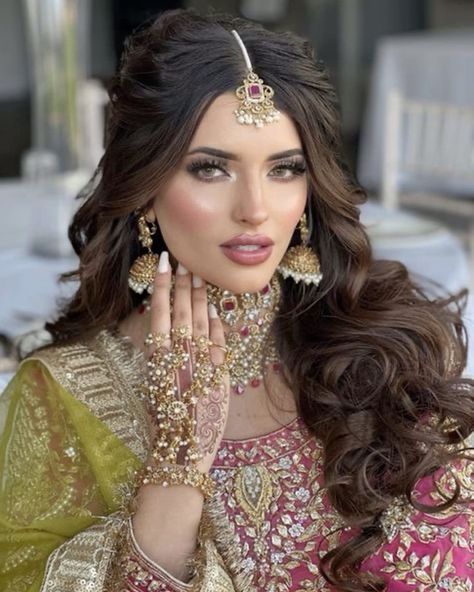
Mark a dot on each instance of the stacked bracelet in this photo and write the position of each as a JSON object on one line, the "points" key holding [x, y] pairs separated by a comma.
{"points": [[177, 475]]}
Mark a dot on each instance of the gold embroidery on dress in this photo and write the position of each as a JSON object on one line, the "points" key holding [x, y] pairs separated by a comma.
{"points": [[397, 518], [253, 491], [30, 446], [437, 571], [294, 517], [277, 521], [210, 571], [102, 373]]}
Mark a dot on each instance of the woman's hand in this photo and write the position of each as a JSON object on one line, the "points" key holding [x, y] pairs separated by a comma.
{"points": [[190, 309]]}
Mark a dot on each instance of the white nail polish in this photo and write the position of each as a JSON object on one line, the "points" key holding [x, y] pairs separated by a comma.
{"points": [[181, 270], [163, 263], [212, 311], [197, 281]]}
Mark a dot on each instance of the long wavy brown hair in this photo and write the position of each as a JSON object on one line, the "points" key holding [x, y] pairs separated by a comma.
{"points": [[369, 356]]}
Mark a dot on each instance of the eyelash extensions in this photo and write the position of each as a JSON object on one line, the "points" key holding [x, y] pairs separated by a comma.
{"points": [[296, 165]]}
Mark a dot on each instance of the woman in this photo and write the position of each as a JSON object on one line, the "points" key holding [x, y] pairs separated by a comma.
{"points": [[283, 412]]}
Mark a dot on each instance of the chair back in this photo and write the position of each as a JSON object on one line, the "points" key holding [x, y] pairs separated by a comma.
{"points": [[428, 146]]}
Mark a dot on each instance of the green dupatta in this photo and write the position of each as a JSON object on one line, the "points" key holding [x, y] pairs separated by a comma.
{"points": [[62, 471], [73, 432]]}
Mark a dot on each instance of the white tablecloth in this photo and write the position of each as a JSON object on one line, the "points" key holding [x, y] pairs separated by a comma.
{"points": [[436, 65], [427, 249], [30, 288]]}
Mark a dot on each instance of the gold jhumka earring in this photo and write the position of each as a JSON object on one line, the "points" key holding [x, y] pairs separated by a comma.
{"points": [[301, 262], [143, 270]]}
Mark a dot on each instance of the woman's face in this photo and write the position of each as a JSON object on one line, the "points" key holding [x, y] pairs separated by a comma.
{"points": [[252, 190]]}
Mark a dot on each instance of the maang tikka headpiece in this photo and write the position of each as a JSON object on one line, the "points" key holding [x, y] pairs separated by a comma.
{"points": [[256, 105]]}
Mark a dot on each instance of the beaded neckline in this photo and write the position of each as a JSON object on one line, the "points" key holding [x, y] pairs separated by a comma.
{"points": [[282, 443]]}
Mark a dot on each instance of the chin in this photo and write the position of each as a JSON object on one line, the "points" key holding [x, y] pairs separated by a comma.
{"points": [[243, 281]]}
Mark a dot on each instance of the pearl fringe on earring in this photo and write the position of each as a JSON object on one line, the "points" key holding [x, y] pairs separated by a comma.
{"points": [[300, 263]]}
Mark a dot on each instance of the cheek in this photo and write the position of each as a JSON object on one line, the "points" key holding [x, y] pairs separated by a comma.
{"points": [[291, 211], [182, 216]]}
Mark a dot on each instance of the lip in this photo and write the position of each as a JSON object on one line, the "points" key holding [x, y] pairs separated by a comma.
{"points": [[247, 257], [249, 239]]}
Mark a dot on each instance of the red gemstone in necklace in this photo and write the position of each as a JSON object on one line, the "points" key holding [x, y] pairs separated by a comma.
{"points": [[244, 331], [141, 309], [255, 382], [239, 389], [228, 305], [266, 289]]}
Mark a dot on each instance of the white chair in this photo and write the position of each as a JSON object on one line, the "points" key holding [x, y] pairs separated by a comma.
{"points": [[92, 101], [428, 160]]}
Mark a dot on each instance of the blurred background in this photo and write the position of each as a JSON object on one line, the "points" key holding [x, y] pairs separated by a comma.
{"points": [[404, 73]]}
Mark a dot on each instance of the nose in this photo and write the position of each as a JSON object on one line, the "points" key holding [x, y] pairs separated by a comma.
{"points": [[251, 206]]}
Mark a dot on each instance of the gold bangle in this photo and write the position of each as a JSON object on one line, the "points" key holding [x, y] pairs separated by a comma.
{"points": [[169, 475]]}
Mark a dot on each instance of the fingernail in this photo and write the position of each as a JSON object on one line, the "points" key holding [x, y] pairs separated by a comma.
{"points": [[181, 270], [163, 263], [212, 311], [197, 281]]}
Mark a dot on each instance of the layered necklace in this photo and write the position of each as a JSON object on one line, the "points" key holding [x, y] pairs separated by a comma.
{"points": [[252, 348]]}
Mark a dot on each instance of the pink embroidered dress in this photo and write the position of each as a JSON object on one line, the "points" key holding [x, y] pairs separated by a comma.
{"points": [[273, 491], [274, 498]]}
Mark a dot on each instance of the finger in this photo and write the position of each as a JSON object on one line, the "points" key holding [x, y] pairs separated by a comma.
{"points": [[199, 307], [160, 300], [182, 308], [182, 316], [216, 335]]}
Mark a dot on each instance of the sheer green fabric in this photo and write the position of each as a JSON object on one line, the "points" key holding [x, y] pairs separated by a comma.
{"points": [[62, 471]]}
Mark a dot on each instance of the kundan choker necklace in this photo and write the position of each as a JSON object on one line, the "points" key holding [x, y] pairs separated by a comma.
{"points": [[252, 348]]}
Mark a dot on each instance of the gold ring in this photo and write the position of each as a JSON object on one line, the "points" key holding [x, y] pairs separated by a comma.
{"points": [[202, 342], [156, 338], [222, 347], [182, 332]]}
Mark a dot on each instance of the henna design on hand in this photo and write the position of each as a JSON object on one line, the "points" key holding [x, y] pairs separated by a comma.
{"points": [[211, 418]]}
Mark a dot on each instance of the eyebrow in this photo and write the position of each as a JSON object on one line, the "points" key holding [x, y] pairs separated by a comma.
{"points": [[231, 156]]}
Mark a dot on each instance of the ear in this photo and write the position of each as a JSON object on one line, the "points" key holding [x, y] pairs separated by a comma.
{"points": [[150, 214]]}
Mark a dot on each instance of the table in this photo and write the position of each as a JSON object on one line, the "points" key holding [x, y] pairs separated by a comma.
{"points": [[429, 65], [427, 248]]}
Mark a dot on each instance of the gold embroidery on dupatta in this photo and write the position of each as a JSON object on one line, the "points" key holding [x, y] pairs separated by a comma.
{"points": [[104, 373], [81, 563], [219, 532]]}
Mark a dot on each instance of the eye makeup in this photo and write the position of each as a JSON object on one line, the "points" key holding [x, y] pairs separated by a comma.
{"points": [[296, 165]]}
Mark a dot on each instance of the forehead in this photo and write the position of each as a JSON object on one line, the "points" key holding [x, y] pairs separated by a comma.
{"points": [[219, 128]]}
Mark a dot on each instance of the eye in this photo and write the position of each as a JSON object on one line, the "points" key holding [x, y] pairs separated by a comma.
{"points": [[295, 168], [203, 169]]}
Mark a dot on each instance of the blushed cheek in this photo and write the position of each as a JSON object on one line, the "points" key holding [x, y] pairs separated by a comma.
{"points": [[290, 216], [183, 218]]}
